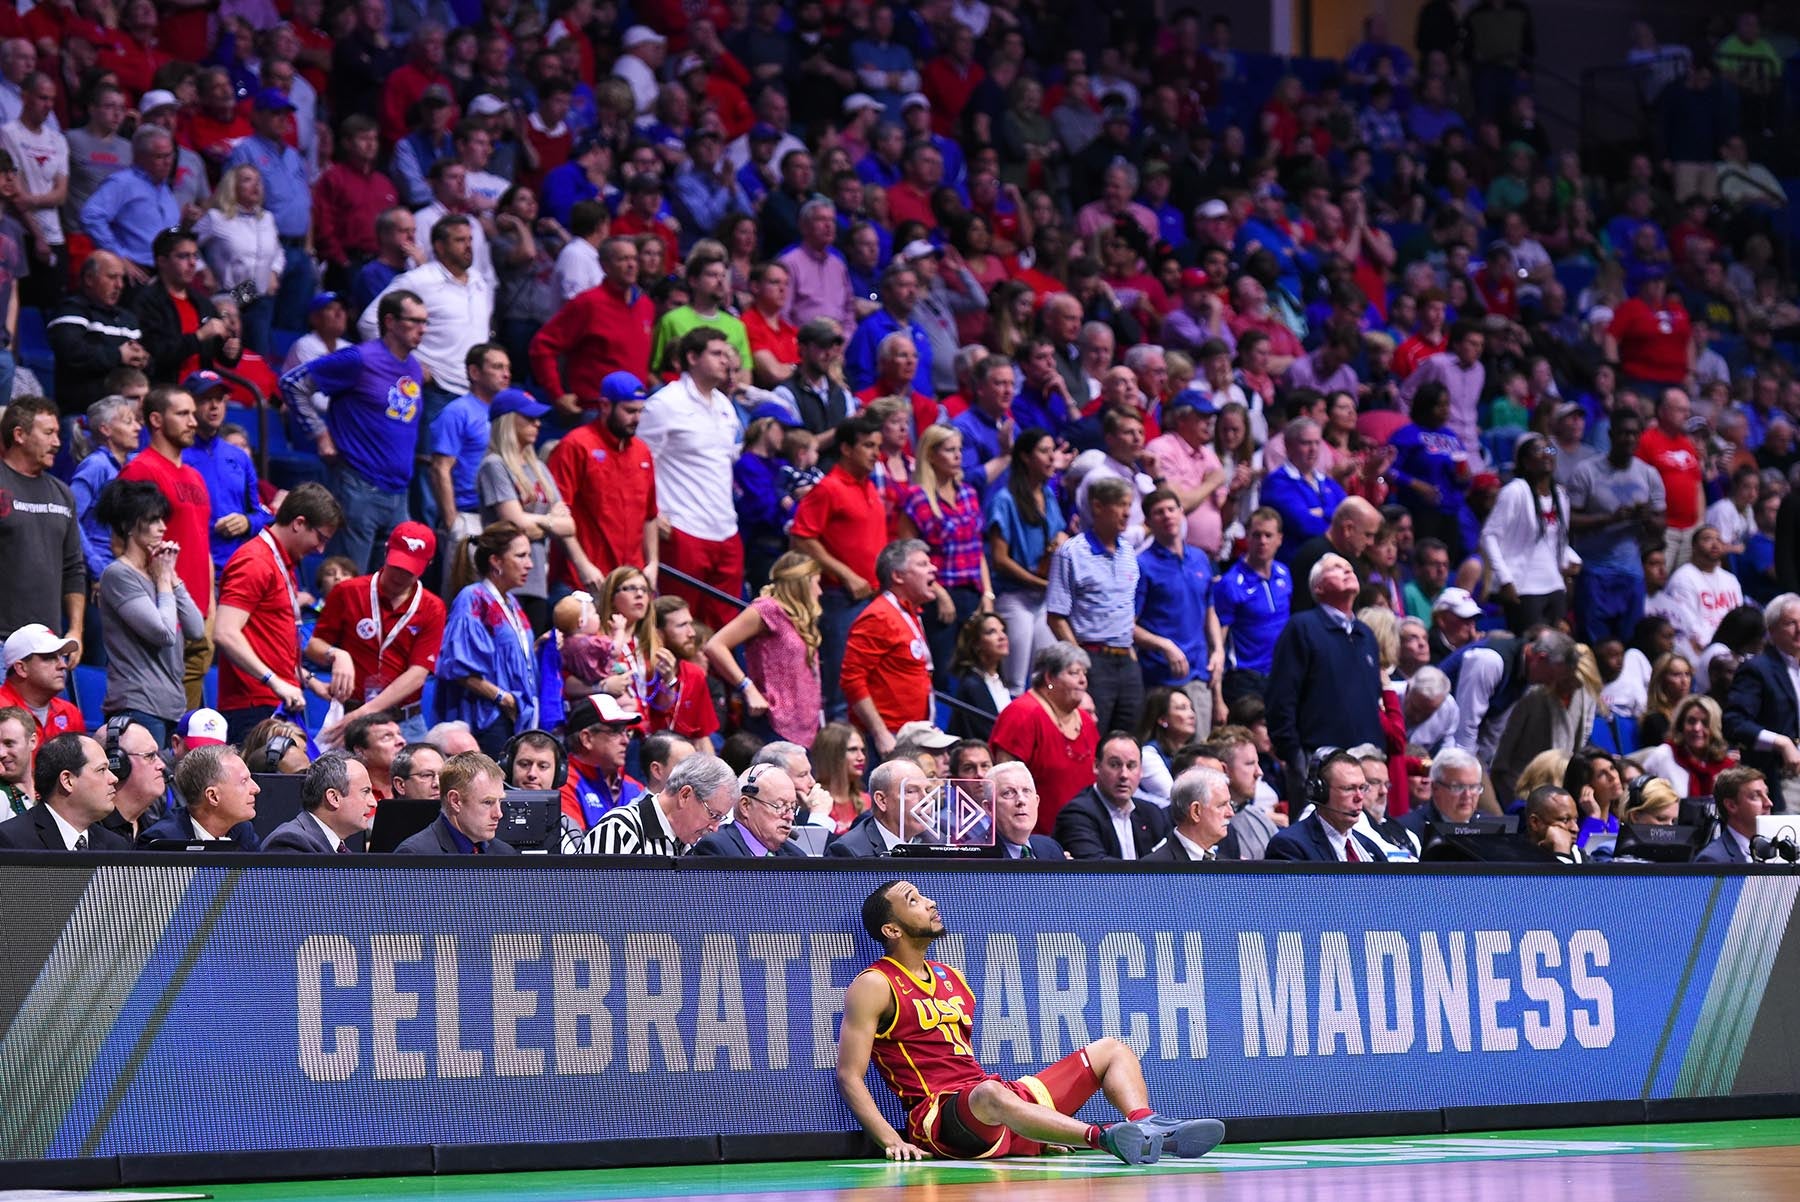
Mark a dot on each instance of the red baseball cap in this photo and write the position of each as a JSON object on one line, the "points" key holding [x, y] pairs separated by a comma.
{"points": [[411, 546], [1193, 277]]}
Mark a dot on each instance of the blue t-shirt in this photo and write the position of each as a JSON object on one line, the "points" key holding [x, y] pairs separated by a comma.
{"points": [[1173, 595], [1254, 611], [461, 432], [374, 414], [1026, 543]]}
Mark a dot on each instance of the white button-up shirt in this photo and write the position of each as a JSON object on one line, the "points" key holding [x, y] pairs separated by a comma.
{"points": [[462, 314], [578, 268], [1121, 820], [426, 218], [693, 440]]}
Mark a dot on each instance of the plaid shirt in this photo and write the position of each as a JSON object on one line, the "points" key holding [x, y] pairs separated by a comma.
{"points": [[954, 538]]}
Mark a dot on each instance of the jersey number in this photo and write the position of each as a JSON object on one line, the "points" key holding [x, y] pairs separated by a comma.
{"points": [[946, 1017]]}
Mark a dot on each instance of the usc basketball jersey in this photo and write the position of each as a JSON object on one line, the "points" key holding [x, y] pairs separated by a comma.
{"points": [[927, 1049]]}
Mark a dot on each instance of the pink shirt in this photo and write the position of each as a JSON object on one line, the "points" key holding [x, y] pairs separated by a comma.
{"points": [[776, 661], [1184, 468], [818, 287]]}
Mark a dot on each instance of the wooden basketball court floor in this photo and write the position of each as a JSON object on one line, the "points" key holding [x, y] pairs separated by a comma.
{"points": [[1741, 1161]]}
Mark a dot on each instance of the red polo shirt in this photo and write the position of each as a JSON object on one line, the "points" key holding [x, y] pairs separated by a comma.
{"points": [[885, 661], [1677, 460], [847, 517], [599, 332], [63, 716], [610, 487], [781, 339], [1653, 343], [259, 580], [348, 622], [190, 519]]}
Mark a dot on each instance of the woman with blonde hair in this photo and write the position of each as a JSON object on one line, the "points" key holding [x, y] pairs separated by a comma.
{"points": [[1695, 752], [1545, 768], [780, 679], [1653, 803], [1671, 679], [839, 758], [946, 514], [239, 242], [516, 486], [263, 753]]}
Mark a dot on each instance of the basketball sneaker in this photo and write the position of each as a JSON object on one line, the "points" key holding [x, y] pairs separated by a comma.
{"points": [[1132, 1143], [1187, 1138]]}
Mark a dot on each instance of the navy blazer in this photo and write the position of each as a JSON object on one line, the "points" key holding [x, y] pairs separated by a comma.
{"points": [[1085, 828], [1173, 851], [861, 841], [1761, 698], [300, 833], [728, 840], [972, 691], [1306, 840], [36, 830], [1325, 686], [435, 840], [1043, 847], [178, 827], [1723, 850]]}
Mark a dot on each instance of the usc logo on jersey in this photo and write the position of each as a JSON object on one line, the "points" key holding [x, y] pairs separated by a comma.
{"points": [[947, 1017]]}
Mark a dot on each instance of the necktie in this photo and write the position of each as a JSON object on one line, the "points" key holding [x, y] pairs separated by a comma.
{"points": [[343, 849], [81, 841], [1350, 854], [1025, 853]]}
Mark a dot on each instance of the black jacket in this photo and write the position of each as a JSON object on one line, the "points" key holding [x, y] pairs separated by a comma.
{"points": [[85, 336], [1761, 698], [169, 348], [728, 841], [36, 830], [1084, 828], [178, 827]]}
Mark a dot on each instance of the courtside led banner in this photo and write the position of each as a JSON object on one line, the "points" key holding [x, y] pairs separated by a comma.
{"points": [[191, 1006]]}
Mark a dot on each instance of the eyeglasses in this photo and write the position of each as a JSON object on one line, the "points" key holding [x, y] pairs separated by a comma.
{"points": [[428, 775], [711, 813], [413, 321], [781, 811], [145, 756], [1459, 790]]}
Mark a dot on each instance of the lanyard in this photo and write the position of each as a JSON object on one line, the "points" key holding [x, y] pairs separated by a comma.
{"points": [[287, 578], [921, 650], [512, 619], [375, 619]]}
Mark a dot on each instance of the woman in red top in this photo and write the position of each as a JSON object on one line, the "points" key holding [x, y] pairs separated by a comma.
{"points": [[1651, 336], [839, 759], [1046, 729]]}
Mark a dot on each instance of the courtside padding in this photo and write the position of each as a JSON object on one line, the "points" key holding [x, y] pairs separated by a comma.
{"points": [[172, 1019]]}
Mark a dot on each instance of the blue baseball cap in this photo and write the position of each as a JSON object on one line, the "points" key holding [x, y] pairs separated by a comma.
{"points": [[323, 299], [762, 131], [778, 411], [1192, 398], [272, 100], [199, 383], [516, 400], [622, 386]]}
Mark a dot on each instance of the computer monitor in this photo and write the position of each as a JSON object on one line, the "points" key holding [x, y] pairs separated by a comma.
{"points": [[278, 802], [1483, 838], [1658, 844], [531, 820], [398, 819]]}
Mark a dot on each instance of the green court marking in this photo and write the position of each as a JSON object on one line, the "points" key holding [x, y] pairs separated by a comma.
{"points": [[601, 1185]]}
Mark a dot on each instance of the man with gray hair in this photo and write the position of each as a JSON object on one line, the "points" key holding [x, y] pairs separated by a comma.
{"points": [[1092, 602], [1304, 496], [1097, 345], [1200, 803], [893, 787], [1014, 797], [336, 802], [886, 674], [700, 795], [1761, 715], [1325, 683], [131, 207], [1455, 793], [1490, 676], [899, 294], [818, 277], [115, 423], [796, 761], [1430, 711], [766, 815]]}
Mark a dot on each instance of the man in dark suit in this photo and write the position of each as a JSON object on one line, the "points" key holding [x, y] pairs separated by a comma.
{"points": [[1089, 826], [337, 801], [470, 787], [1742, 795], [892, 786], [1762, 711], [1328, 835], [1455, 793], [1200, 802], [75, 791], [765, 818], [1325, 686], [1014, 797], [220, 794], [1553, 823], [142, 774]]}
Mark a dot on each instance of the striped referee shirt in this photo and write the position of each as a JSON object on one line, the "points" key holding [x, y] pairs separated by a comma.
{"points": [[638, 829], [1095, 589]]}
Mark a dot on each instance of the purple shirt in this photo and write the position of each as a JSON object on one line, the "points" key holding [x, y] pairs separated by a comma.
{"points": [[751, 841], [374, 414], [1465, 385], [1305, 374], [818, 287]]}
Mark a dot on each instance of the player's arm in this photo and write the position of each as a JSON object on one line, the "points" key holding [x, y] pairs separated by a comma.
{"points": [[865, 1006]]}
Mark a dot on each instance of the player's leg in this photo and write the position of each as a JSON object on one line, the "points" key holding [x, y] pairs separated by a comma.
{"points": [[1121, 1078], [1038, 1110]]}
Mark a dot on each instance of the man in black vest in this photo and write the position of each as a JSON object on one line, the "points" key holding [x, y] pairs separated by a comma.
{"points": [[1489, 677]]}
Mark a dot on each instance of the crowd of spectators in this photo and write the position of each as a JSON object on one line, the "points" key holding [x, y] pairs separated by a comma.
{"points": [[765, 412]]}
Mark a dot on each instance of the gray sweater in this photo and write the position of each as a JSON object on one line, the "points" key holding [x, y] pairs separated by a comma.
{"points": [[40, 550], [145, 633]]}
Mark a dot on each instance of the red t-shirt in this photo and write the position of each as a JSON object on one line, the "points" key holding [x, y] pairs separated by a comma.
{"points": [[693, 716], [611, 490], [189, 319], [259, 580], [349, 623], [1416, 350], [847, 517], [1677, 461], [212, 139], [1062, 767], [885, 660], [1653, 343], [781, 340], [190, 519], [254, 368], [63, 717]]}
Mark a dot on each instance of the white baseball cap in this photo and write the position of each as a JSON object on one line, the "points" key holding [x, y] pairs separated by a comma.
{"points": [[486, 105], [856, 102], [157, 98], [640, 35], [203, 728], [35, 638], [1457, 601]]}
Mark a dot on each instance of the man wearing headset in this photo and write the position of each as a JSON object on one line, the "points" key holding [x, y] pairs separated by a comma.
{"points": [[142, 776], [533, 761], [765, 819], [1335, 790]]}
